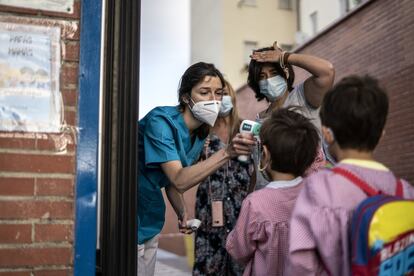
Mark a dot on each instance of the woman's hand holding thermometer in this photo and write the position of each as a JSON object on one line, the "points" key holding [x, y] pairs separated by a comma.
{"points": [[248, 126]]}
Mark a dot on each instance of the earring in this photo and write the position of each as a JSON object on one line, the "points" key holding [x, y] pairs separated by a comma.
{"points": [[261, 169]]}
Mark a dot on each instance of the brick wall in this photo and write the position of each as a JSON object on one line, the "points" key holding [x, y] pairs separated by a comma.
{"points": [[378, 39], [36, 177]]}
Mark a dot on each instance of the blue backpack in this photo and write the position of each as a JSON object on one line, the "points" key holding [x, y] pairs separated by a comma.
{"points": [[382, 231]]}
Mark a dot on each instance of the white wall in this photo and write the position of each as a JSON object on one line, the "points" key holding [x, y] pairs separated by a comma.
{"points": [[327, 10], [165, 51], [207, 32]]}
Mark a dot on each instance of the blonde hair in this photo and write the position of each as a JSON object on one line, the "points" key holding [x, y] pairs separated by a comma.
{"points": [[234, 114]]}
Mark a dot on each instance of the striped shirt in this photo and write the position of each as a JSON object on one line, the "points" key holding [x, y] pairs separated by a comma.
{"points": [[319, 238], [260, 237]]}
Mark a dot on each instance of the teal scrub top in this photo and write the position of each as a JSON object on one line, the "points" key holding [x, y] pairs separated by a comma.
{"points": [[162, 136]]}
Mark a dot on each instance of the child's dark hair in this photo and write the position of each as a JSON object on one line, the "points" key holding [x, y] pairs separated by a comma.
{"points": [[255, 68], [356, 110], [291, 139]]}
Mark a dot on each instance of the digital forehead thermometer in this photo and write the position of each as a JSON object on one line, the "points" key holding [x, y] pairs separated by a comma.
{"points": [[248, 126]]}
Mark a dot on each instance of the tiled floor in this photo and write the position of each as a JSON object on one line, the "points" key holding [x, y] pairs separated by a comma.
{"points": [[169, 264]]}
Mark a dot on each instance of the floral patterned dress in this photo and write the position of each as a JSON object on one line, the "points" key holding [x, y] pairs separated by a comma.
{"points": [[230, 184]]}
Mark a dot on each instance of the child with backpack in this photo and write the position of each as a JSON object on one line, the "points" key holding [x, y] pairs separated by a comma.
{"points": [[260, 237], [353, 115]]}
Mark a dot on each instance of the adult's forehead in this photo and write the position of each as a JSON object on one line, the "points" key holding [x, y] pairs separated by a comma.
{"points": [[210, 81]]}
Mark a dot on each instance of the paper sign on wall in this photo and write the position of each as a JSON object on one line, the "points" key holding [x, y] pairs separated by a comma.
{"points": [[30, 99]]}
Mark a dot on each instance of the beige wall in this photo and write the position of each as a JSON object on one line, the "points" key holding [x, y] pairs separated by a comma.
{"points": [[219, 32], [263, 23]]}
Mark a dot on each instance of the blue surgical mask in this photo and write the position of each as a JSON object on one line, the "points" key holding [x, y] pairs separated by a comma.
{"points": [[226, 106], [273, 88]]}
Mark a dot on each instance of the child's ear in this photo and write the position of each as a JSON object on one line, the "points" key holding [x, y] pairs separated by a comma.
{"points": [[382, 136], [328, 135], [266, 153]]}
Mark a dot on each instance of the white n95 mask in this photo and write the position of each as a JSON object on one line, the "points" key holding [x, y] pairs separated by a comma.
{"points": [[226, 106], [273, 88], [206, 111]]}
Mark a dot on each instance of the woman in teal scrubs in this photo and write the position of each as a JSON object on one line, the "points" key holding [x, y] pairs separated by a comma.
{"points": [[170, 140]]}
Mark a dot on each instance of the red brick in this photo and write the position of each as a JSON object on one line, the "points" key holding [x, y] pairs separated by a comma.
{"points": [[15, 233], [16, 186], [54, 187], [10, 257], [68, 75], [70, 97], [37, 163], [69, 28], [17, 273], [53, 233], [20, 258], [71, 117], [57, 272], [13, 143], [36, 210], [70, 51], [57, 142]]}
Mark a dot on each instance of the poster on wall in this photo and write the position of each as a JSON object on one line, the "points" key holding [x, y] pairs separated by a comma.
{"points": [[65, 6], [30, 98]]}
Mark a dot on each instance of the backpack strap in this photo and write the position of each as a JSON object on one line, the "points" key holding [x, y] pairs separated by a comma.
{"points": [[399, 189], [356, 180], [364, 185]]}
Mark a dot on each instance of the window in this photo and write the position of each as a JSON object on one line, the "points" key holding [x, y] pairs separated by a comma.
{"points": [[286, 47], [354, 3], [343, 6], [249, 3], [285, 4], [314, 22]]}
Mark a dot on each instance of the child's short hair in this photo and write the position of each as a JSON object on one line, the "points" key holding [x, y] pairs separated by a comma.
{"points": [[356, 110], [291, 139]]}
